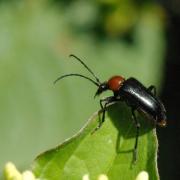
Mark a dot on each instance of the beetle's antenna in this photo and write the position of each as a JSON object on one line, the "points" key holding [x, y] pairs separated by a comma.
{"points": [[66, 75], [72, 55]]}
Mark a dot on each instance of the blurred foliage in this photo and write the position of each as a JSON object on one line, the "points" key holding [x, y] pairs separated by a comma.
{"points": [[172, 6], [36, 38], [108, 18]]}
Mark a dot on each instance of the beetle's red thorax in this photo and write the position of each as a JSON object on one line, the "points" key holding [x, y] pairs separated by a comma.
{"points": [[115, 82]]}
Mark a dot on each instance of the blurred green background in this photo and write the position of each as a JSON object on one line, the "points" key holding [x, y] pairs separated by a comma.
{"points": [[36, 37]]}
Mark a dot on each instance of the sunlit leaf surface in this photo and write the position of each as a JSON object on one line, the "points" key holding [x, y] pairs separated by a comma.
{"points": [[109, 151]]}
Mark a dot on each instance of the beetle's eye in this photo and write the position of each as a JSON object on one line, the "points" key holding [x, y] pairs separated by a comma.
{"points": [[104, 86]]}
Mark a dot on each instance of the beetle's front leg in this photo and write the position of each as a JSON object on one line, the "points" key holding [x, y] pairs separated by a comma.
{"points": [[107, 101]]}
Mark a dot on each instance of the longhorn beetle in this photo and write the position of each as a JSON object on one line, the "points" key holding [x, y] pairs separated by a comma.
{"points": [[130, 90]]}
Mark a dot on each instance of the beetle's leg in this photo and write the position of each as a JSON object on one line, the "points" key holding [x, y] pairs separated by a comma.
{"points": [[107, 101], [152, 88], [137, 135]]}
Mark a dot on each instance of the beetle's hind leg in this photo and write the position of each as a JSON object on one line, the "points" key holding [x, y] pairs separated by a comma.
{"points": [[137, 135], [107, 100], [152, 89]]}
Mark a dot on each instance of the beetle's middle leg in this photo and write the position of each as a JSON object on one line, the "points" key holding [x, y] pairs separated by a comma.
{"points": [[137, 135]]}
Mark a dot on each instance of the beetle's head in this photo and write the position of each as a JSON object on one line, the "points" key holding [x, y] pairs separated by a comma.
{"points": [[113, 84], [102, 87]]}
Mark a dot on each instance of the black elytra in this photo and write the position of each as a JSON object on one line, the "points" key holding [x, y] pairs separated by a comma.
{"points": [[131, 91]]}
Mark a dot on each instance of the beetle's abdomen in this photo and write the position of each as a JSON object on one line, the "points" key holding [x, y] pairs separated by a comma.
{"points": [[139, 97]]}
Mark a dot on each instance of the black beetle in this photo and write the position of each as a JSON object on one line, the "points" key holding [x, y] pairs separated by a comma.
{"points": [[135, 94]]}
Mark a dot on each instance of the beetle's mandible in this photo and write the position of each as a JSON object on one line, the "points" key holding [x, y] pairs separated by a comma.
{"points": [[130, 90]]}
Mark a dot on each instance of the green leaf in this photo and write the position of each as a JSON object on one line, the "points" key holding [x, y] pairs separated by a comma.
{"points": [[108, 151]]}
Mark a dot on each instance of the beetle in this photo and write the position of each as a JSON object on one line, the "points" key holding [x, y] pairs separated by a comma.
{"points": [[131, 91]]}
